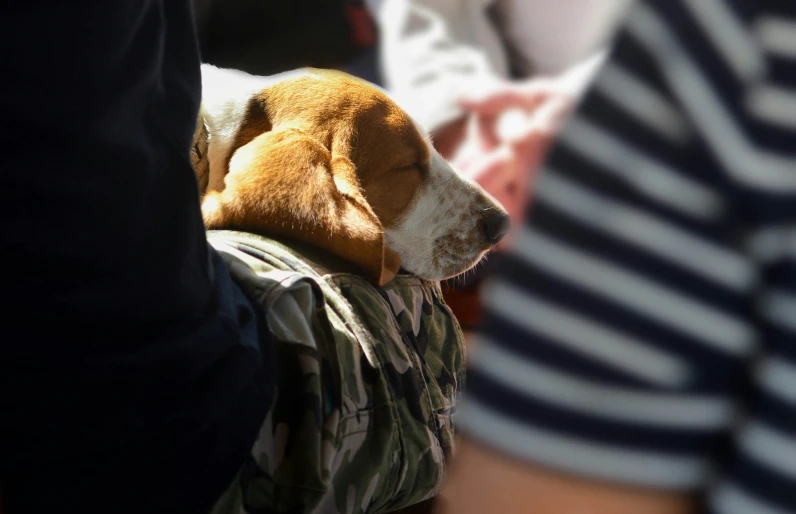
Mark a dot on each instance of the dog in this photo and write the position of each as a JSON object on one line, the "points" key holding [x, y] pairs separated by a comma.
{"points": [[330, 159], [334, 211]]}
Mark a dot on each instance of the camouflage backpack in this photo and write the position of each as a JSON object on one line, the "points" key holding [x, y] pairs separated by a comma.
{"points": [[367, 381]]}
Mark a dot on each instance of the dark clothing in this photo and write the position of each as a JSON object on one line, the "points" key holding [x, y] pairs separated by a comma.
{"points": [[132, 374], [265, 38]]}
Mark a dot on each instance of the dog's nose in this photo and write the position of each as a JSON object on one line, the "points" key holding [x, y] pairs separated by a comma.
{"points": [[495, 225]]}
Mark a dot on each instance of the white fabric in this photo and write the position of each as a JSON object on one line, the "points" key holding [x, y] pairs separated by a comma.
{"points": [[435, 50]]}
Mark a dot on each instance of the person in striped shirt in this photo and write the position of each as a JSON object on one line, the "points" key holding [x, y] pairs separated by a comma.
{"points": [[638, 353]]}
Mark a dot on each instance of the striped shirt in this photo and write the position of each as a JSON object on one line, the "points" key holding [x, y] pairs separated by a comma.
{"points": [[643, 329]]}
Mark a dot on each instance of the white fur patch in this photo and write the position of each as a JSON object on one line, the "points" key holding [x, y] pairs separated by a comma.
{"points": [[225, 96], [439, 236]]}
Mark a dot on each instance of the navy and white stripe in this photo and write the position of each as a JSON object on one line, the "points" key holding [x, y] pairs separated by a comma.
{"points": [[643, 329]]}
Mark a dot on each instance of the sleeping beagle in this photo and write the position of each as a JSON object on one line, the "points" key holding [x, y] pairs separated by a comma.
{"points": [[304, 177], [332, 160]]}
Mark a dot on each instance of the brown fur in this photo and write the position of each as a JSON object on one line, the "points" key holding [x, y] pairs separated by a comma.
{"points": [[329, 160]]}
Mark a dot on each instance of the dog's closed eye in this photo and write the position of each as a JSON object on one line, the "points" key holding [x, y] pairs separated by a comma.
{"points": [[416, 166]]}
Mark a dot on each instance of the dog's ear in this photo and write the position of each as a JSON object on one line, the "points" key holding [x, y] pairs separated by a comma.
{"points": [[286, 183]]}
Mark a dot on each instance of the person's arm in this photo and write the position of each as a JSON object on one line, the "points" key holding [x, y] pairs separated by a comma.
{"points": [[611, 369], [132, 366], [486, 482]]}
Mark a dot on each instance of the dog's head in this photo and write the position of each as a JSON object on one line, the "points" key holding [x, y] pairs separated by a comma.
{"points": [[336, 161]]}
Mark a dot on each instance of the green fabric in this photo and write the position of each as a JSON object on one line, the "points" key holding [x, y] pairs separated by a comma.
{"points": [[368, 378]]}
